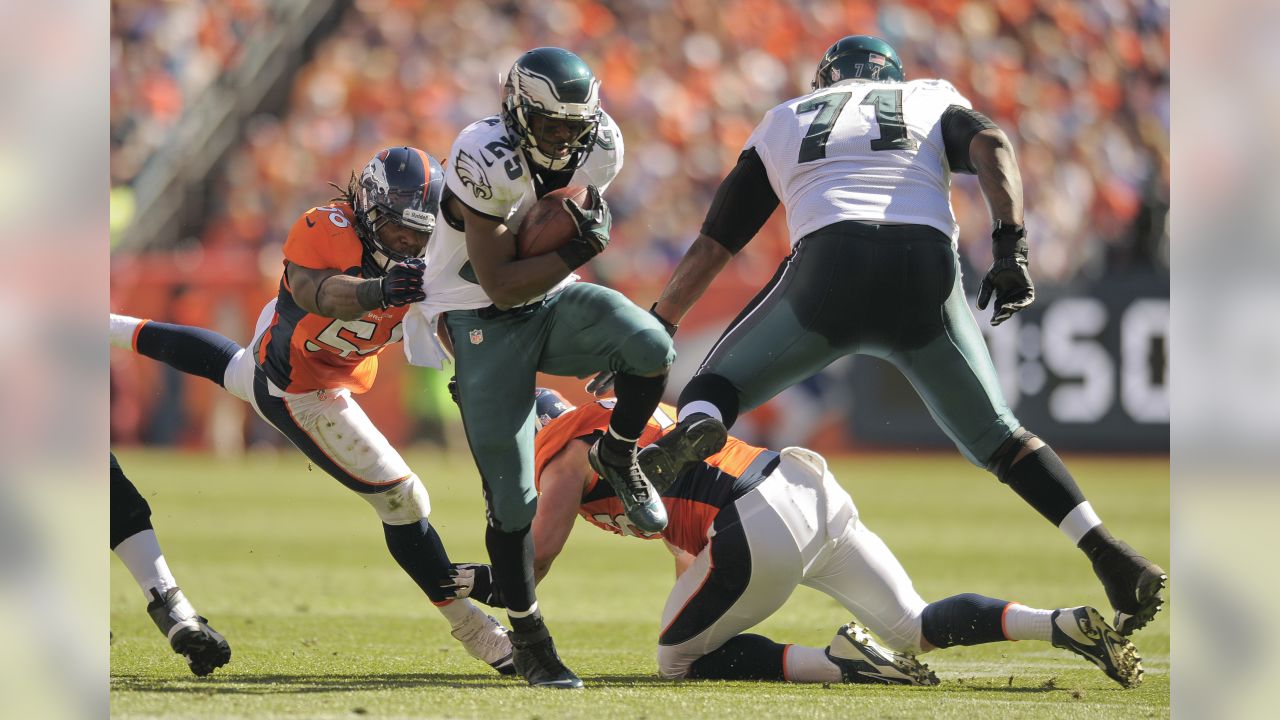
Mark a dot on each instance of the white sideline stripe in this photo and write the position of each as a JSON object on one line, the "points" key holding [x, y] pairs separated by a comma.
{"points": [[1079, 521], [763, 302]]}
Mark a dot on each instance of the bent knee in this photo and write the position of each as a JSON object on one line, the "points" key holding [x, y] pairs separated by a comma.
{"points": [[403, 503], [647, 352], [673, 664]]}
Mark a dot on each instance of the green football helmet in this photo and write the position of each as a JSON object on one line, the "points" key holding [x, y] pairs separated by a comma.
{"points": [[551, 106], [859, 57]]}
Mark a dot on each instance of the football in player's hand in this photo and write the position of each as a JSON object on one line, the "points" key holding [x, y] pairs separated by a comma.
{"points": [[548, 226]]}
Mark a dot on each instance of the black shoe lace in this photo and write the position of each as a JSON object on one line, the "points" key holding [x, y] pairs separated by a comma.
{"points": [[636, 482]]}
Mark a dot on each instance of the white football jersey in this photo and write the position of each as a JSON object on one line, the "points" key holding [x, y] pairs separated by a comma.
{"points": [[869, 151], [488, 173]]}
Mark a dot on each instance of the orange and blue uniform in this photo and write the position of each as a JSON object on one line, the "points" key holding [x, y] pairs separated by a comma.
{"points": [[301, 351], [692, 502]]}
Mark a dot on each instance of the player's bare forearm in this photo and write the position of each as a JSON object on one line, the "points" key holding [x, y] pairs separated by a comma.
{"points": [[700, 265], [515, 282], [560, 493], [329, 293], [507, 281], [992, 155]]}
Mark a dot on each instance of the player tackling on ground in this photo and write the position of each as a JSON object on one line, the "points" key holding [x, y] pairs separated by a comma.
{"points": [[863, 167], [351, 269], [508, 318], [749, 525]]}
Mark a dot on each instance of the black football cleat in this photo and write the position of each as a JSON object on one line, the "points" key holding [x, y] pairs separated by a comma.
{"points": [[189, 634], [1133, 585], [692, 440], [536, 661]]}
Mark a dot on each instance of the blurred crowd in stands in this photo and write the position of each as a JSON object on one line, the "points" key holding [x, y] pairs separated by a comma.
{"points": [[1082, 88]]}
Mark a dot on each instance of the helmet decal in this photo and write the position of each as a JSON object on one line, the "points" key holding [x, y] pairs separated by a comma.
{"points": [[402, 186], [551, 108], [549, 405]]}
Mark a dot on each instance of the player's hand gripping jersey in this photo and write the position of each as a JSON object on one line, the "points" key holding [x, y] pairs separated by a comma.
{"points": [[301, 351], [488, 174], [692, 501], [868, 151]]}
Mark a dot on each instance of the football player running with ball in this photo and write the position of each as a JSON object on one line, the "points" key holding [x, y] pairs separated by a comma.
{"points": [[863, 167], [351, 269], [507, 317], [748, 526]]}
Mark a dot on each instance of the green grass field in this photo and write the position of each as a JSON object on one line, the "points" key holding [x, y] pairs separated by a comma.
{"points": [[292, 568]]}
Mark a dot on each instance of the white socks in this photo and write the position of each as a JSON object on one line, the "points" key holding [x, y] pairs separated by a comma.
{"points": [[808, 664], [141, 554], [121, 330], [699, 406], [458, 612], [1079, 521], [1023, 623]]}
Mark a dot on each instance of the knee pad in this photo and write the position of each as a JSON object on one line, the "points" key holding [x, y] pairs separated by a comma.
{"points": [[405, 502], [646, 352], [717, 390], [1002, 460]]}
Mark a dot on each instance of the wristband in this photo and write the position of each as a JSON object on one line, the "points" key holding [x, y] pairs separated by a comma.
{"points": [[669, 327], [1008, 240]]}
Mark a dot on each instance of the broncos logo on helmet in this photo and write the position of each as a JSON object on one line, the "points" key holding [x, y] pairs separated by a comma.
{"points": [[400, 185]]}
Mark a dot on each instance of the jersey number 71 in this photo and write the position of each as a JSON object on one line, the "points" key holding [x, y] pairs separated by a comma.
{"points": [[888, 105]]}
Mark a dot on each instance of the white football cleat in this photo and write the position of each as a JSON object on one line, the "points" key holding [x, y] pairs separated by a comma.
{"points": [[486, 640], [862, 660], [1083, 631]]}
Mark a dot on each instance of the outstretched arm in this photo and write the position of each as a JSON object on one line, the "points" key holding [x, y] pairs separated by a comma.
{"points": [[329, 293], [743, 203], [992, 156], [700, 265], [559, 495]]}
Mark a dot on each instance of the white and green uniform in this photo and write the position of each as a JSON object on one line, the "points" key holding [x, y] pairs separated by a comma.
{"points": [[864, 172], [575, 329]]}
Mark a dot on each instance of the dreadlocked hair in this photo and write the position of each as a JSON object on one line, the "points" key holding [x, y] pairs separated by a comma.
{"points": [[347, 195]]}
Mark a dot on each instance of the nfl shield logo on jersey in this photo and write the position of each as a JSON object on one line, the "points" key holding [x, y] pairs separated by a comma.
{"points": [[477, 336]]}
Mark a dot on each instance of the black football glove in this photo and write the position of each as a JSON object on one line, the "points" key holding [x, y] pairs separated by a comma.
{"points": [[475, 581], [603, 382], [593, 229], [1008, 277], [403, 283], [453, 391]]}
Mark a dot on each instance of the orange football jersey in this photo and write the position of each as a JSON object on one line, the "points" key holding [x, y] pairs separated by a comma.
{"points": [[301, 351], [692, 501]]}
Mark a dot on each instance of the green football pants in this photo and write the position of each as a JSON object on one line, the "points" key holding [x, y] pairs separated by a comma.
{"points": [[579, 331], [890, 291]]}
